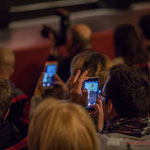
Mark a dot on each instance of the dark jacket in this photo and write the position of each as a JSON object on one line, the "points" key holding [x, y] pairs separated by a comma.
{"points": [[9, 135], [63, 66]]}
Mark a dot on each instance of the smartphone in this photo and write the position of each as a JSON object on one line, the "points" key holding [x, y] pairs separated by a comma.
{"points": [[49, 74], [91, 85]]}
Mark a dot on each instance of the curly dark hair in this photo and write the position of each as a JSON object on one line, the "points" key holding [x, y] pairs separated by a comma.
{"points": [[5, 97], [129, 90]]}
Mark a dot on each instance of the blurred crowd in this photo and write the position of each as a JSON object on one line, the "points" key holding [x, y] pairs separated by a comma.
{"points": [[57, 118]]}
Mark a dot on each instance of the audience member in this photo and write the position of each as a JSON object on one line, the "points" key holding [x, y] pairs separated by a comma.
{"points": [[78, 39], [128, 46], [9, 135], [7, 62], [61, 126], [57, 91], [126, 103], [34, 103], [97, 65], [19, 99]]}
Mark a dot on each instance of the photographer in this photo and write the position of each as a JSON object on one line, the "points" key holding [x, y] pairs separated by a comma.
{"points": [[78, 38]]}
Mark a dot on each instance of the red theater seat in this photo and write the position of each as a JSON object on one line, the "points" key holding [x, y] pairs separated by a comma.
{"points": [[19, 146]]}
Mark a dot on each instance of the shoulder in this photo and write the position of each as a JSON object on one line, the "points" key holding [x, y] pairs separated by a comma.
{"points": [[116, 141]]}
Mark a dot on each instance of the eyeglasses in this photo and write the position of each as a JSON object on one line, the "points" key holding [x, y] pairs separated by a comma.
{"points": [[101, 96]]}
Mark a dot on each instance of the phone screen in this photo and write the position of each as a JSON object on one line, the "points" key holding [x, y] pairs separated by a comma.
{"points": [[49, 74], [92, 88]]}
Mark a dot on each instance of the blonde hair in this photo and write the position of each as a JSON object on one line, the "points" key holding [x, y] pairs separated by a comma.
{"points": [[97, 64], [61, 126]]}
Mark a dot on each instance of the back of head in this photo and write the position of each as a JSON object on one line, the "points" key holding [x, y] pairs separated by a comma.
{"points": [[128, 45], [128, 88], [61, 126], [5, 98], [7, 61], [80, 35], [144, 25], [97, 65]]}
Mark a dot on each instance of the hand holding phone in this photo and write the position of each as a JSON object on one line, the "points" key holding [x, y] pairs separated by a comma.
{"points": [[75, 88], [91, 85], [49, 74]]}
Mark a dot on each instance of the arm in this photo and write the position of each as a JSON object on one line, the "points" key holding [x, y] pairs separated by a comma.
{"points": [[79, 96]]}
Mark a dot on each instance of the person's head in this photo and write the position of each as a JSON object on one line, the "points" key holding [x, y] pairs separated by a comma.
{"points": [[7, 62], [79, 38], [61, 126], [128, 45], [5, 98], [97, 65], [144, 25], [126, 93]]}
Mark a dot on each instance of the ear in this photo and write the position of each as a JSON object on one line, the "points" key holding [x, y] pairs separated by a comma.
{"points": [[111, 111], [110, 107]]}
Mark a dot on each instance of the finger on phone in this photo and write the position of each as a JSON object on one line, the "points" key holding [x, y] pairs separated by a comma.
{"points": [[76, 76], [40, 78], [82, 79], [99, 102], [95, 107], [83, 75], [57, 77], [70, 82], [84, 95]]}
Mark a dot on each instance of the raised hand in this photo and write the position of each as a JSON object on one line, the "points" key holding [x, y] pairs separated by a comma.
{"points": [[98, 115], [77, 94]]}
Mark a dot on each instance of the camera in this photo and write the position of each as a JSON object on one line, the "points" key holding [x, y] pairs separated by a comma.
{"points": [[60, 35]]}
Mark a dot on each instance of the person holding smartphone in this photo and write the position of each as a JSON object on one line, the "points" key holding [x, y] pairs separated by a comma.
{"points": [[49, 83], [95, 63], [78, 38], [125, 104]]}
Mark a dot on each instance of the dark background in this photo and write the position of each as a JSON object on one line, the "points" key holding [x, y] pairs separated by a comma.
{"points": [[7, 15]]}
